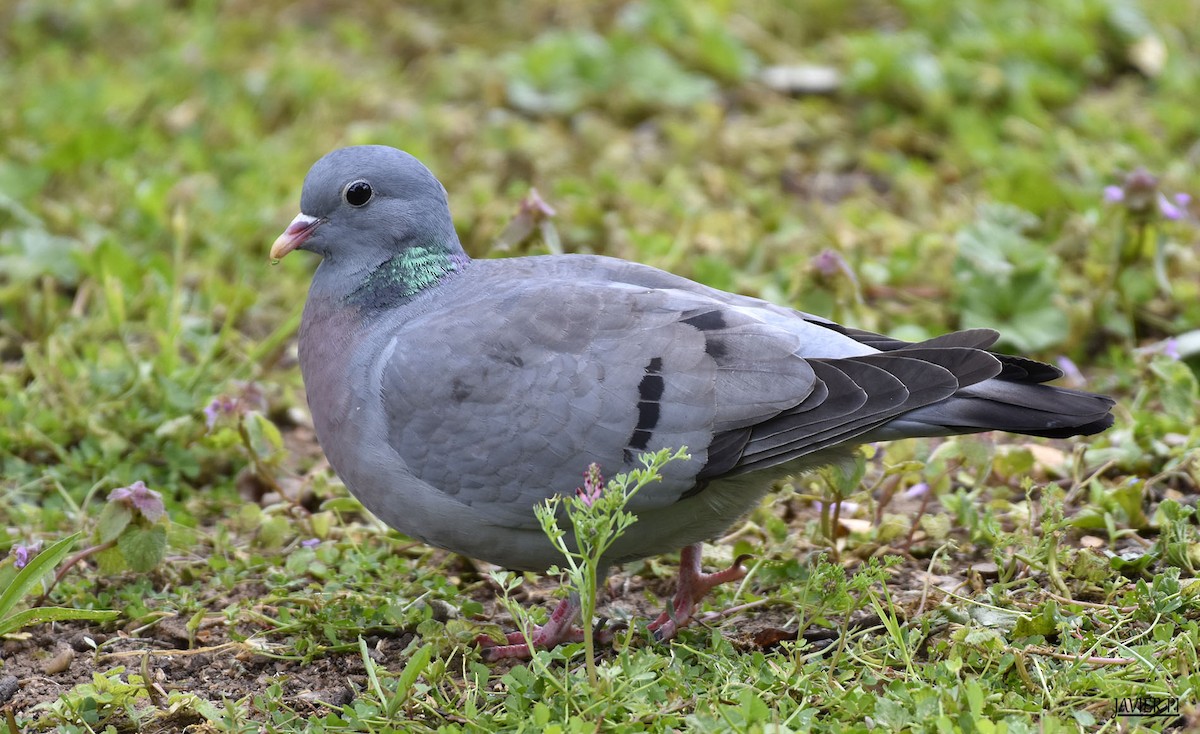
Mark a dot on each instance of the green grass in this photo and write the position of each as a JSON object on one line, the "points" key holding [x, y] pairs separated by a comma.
{"points": [[150, 152]]}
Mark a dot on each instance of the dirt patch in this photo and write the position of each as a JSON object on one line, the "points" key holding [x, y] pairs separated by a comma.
{"points": [[53, 659]]}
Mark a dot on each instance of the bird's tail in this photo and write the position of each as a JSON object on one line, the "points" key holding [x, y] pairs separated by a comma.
{"points": [[1004, 405], [941, 387], [1015, 399]]}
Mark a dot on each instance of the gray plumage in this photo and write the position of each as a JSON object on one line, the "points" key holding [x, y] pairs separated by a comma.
{"points": [[453, 395]]}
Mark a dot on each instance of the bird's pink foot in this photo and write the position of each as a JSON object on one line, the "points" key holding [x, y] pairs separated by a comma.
{"points": [[557, 630], [694, 585]]}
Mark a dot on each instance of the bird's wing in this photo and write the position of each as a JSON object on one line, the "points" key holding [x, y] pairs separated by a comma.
{"points": [[504, 395]]}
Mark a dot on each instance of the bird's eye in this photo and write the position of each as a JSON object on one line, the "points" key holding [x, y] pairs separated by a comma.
{"points": [[357, 193]]}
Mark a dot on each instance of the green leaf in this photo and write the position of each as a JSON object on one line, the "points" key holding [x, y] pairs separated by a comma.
{"points": [[1043, 624], [1008, 281], [114, 518], [265, 438], [110, 561], [845, 477], [1084, 717], [342, 504], [994, 618], [27, 254], [974, 698], [41, 564], [143, 547], [408, 677], [1128, 496], [562, 72], [273, 532], [369, 664], [1131, 563], [754, 708], [1179, 392], [1014, 461], [891, 715], [41, 615]]}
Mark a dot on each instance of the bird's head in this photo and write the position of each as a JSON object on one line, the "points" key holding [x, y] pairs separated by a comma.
{"points": [[368, 203]]}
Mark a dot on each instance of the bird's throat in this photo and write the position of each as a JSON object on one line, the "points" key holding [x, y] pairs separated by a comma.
{"points": [[404, 276]]}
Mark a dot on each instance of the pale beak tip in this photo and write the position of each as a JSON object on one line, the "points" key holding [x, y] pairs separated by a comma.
{"points": [[294, 236], [282, 245]]}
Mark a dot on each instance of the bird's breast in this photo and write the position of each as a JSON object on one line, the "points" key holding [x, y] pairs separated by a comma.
{"points": [[330, 347]]}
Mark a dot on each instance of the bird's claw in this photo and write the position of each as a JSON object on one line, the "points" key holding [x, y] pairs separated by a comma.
{"points": [[694, 585]]}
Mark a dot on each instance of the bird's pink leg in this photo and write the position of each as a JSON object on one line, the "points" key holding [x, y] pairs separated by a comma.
{"points": [[557, 630], [694, 585]]}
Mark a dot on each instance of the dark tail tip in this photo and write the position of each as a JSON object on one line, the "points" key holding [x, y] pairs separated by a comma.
{"points": [[1086, 429]]}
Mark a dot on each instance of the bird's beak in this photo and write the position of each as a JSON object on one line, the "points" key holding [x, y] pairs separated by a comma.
{"points": [[296, 233]]}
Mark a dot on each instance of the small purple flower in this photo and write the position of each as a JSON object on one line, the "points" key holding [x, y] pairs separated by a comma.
{"points": [[1139, 189], [1140, 195], [1174, 208], [218, 407], [25, 551], [593, 485], [1170, 348], [140, 498], [311, 542], [249, 397], [532, 213], [829, 262], [533, 204], [920, 489], [1070, 370]]}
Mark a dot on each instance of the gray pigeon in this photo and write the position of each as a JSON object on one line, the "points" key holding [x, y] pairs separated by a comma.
{"points": [[452, 395]]}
